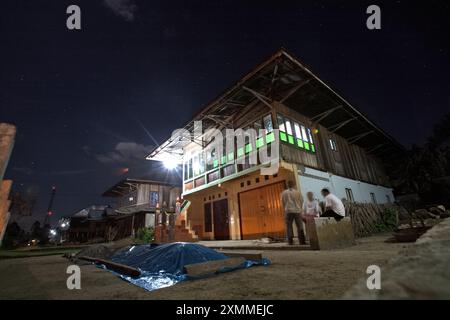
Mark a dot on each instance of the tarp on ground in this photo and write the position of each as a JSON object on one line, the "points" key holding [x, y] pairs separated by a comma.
{"points": [[162, 266]]}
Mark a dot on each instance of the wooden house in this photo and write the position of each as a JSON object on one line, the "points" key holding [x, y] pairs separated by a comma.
{"points": [[135, 207], [321, 139]]}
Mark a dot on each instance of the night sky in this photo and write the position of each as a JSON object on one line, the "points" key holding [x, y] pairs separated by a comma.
{"points": [[92, 102]]}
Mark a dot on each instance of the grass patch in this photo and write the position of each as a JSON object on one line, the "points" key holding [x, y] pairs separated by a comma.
{"points": [[12, 254]]}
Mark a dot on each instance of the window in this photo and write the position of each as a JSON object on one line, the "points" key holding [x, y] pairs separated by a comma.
{"points": [[373, 198], [196, 166], [258, 127], [268, 123], [304, 136], [280, 123], [289, 131], [388, 198], [154, 198], [349, 194], [189, 169], [288, 126], [332, 143], [282, 128], [295, 133], [211, 160]]}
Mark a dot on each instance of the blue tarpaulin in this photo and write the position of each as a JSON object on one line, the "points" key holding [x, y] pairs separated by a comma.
{"points": [[162, 266]]}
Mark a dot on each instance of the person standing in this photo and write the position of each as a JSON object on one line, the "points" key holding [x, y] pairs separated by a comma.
{"points": [[292, 204], [333, 205], [311, 207]]}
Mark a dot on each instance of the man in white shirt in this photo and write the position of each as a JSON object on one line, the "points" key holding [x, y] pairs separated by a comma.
{"points": [[292, 203], [333, 205], [311, 207]]}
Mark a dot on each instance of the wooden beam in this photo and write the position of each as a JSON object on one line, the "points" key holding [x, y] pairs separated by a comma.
{"points": [[294, 90], [376, 147], [319, 117], [359, 136], [259, 96], [340, 125]]}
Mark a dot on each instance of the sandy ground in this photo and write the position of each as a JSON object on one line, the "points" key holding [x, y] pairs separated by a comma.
{"points": [[292, 275]]}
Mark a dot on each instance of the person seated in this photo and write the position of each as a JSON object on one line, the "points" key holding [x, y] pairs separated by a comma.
{"points": [[311, 207], [334, 207]]}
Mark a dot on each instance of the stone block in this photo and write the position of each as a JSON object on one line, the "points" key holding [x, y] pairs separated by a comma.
{"points": [[327, 233]]}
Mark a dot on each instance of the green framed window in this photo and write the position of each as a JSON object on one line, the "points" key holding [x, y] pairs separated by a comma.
{"points": [[268, 125], [281, 125]]}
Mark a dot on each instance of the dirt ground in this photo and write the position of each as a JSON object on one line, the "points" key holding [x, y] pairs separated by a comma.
{"points": [[292, 275]]}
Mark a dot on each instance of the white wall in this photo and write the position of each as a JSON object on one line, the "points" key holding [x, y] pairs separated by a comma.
{"points": [[314, 180]]}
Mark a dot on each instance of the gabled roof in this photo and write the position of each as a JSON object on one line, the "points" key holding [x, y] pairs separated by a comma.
{"points": [[126, 186], [95, 212], [284, 78]]}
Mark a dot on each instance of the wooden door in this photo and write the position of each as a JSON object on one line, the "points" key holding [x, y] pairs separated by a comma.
{"points": [[261, 212], [221, 220]]}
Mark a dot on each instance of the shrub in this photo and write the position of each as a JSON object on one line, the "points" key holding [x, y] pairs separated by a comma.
{"points": [[388, 221], [145, 235]]}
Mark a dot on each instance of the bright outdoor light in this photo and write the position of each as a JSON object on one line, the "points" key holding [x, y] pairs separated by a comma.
{"points": [[170, 163], [53, 232]]}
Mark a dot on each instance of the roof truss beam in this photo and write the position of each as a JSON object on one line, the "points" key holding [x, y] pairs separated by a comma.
{"points": [[376, 147], [338, 126], [359, 136], [319, 117], [294, 90], [259, 96]]}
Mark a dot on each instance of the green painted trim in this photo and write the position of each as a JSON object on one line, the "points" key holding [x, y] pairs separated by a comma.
{"points": [[283, 136], [300, 143], [231, 156], [259, 142], [306, 145], [240, 152], [248, 148], [224, 159], [290, 139], [215, 163], [313, 149], [270, 137]]}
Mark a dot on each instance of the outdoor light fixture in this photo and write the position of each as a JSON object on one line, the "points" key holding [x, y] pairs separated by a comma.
{"points": [[53, 232], [170, 163]]}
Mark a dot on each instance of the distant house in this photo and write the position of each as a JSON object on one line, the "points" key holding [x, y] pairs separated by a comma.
{"points": [[136, 202], [99, 223]]}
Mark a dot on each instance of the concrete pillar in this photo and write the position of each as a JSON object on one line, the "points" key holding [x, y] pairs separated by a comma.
{"points": [[7, 135]]}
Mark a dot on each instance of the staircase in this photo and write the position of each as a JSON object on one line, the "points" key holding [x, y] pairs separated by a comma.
{"points": [[180, 232]]}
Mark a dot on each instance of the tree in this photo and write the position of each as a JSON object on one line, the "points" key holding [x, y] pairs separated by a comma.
{"points": [[425, 170], [14, 235]]}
